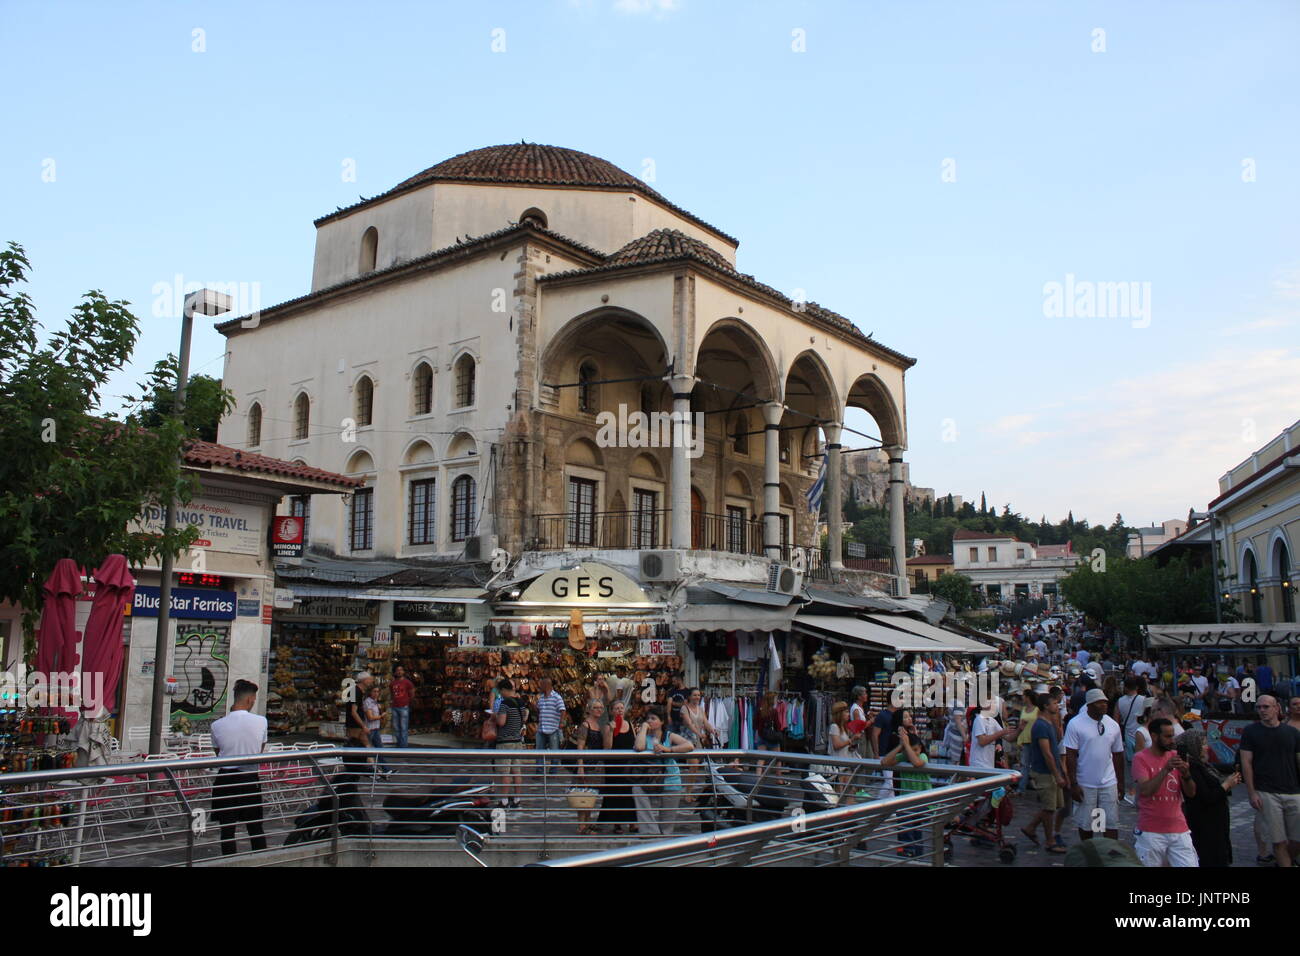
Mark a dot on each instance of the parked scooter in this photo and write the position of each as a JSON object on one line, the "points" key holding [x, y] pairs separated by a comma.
{"points": [[726, 801], [317, 823], [440, 810]]}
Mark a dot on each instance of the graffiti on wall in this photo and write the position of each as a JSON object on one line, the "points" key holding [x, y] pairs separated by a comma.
{"points": [[1224, 736], [202, 671]]}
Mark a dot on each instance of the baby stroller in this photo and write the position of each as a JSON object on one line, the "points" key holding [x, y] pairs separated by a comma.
{"points": [[983, 821]]}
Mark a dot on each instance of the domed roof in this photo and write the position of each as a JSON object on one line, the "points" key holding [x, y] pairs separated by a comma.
{"points": [[531, 163]]}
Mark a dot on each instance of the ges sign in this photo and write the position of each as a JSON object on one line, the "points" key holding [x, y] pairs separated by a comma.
{"points": [[581, 585]]}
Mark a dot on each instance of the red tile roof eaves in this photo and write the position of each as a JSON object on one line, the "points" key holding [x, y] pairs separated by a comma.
{"points": [[966, 535], [529, 164], [206, 453], [412, 265]]}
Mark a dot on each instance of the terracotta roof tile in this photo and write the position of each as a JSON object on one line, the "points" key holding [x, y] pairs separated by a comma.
{"points": [[671, 245], [530, 163], [206, 453], [931, 559], [966, 535]]}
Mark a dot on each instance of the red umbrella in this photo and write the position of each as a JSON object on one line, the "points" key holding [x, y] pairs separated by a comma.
{"points": [[56, 638], [101, 649]]}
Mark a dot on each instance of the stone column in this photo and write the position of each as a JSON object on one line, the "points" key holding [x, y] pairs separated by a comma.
{"points": [[772, 412], [897, 528], [680, 526], [833, 496]]}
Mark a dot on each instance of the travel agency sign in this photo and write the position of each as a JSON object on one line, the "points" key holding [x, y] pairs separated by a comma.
{"points": [[223, 525]]}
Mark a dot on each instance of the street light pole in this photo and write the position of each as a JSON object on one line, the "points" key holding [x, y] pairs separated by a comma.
{"points": [[1214, 558], [205, 302]]}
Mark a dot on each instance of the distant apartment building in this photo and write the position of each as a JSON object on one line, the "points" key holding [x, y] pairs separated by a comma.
{"points": [[1004, 568], [1145, 540]]}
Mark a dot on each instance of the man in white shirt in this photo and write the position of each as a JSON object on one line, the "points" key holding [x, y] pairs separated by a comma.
{"points": [[236, 793], [1094, 758]]}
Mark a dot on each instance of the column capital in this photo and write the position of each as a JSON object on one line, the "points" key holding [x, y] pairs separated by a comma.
{"points": [[772, 412], [832, 430], [682, 383]]}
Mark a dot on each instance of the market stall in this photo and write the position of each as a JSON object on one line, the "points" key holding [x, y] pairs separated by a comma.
{"points": [[315, 646]]}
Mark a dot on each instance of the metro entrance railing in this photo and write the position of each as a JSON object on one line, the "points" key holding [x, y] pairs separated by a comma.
{"points": [[333, 806]]}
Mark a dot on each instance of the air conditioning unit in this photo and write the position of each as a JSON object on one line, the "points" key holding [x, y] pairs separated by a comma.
{"points": [[784, 579], [660, 565], [480, 547]]}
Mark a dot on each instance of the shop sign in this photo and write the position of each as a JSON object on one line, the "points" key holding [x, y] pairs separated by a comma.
{"points": [[191, 603], [588, 585], [427, 612], [249, 608], [267, 611], [656, 648], [286, 536], [469, 639], [382, 636], [348, 610], [223, 525], [283, 599]]}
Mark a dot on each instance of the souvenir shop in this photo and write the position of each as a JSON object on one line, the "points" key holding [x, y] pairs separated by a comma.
{"points": [[315, 645], [424, 633], [575, 626]]}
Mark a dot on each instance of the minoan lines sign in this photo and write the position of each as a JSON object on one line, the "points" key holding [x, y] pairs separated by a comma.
{"points": [[223, 525]]}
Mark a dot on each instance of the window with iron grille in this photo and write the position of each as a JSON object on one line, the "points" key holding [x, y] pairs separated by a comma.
{"points": [[582, 512], [363, 519], [255, 425], [301, 416], [588, 392], [462, 507], [365, 400], [422, 390], [736, 529], [465, 382], [300, 507], [420, 512], [645, 519]]}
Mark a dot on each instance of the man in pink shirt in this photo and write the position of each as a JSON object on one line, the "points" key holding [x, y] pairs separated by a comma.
{"points": [[1162, 779]]}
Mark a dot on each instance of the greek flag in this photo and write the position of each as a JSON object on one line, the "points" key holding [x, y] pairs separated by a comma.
{"points": [[814, 493]]}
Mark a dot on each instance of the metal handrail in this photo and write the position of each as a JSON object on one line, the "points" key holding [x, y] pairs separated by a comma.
{"points": [[331, 802]]}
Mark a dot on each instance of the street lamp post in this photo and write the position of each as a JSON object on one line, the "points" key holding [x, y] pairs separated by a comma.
{"points": [[204, 302]]}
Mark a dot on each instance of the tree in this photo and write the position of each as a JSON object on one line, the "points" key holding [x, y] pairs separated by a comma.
{"points": [[206, 402], [72, 480], [1131, 593], [957, 589], [984, 508]]}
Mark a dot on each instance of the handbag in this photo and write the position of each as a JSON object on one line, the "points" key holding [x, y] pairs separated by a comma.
{"points": [[490, 730]]}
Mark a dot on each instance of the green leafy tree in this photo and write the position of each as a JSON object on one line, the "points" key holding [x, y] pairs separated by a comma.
{"points": [[206, 403], [957, 589], [1131, 593], [73, 480]]}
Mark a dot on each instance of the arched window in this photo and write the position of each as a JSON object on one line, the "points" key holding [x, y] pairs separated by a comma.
{"points": [[422, 389], [740, 435], [1252, 579], [255, 425], [369, 249], [465, 381], [463, 490], [1282, 568], [365, 400], [588, 391], [301, 416]]}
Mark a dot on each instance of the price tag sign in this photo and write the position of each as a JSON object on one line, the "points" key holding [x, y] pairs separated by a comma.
{"points": [[469, 639], [656, 648], [382, 636]]}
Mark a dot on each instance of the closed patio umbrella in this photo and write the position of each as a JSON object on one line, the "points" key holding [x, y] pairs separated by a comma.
{"points": [[56, 638], [101, 650]]}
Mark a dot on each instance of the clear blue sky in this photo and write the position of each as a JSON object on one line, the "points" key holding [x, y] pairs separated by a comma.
{"points": [[1117, 166]]}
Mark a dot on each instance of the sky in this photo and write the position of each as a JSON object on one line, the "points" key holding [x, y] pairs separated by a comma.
{"points": [[1081, 219]]}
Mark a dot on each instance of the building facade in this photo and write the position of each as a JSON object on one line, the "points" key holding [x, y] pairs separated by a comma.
{"points": [[1007, 569], [1256, 524], [1145, 540], [495, 346]]}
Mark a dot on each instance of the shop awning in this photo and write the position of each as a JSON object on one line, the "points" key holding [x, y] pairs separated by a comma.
{"points": [[734, 616], [441, 595], [748, 594], [922, 629], [1223, 635], [853, 631]]}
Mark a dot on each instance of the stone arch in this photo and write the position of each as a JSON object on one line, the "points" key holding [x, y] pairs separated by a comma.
{"points": [[359, 462], [535, 214], [462, 445], [584, 453], [739, 485], [871, 395], [730, 341], [646, 466], [647, 345], [810, 388], [419, 452], [369, 252]]}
